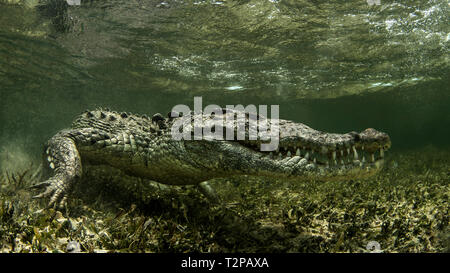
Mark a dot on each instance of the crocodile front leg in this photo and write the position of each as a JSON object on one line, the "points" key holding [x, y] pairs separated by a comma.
{"points": [[63, 159]]}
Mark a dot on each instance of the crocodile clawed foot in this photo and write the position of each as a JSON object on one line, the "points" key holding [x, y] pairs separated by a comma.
{"points": [[39, 185], [54, 190]]}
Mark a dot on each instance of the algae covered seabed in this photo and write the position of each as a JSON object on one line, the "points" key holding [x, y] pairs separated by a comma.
{"points": [[337, 66], [404, 208]]}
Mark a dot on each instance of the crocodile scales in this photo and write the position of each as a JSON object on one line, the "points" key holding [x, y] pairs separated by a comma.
{"points": [[144, 147]]}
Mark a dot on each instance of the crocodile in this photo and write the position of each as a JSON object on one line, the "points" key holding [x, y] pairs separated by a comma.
{"points": [[143, 146]]}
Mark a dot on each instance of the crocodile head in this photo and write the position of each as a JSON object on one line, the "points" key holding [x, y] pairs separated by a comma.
{"points": [[302, 153]]}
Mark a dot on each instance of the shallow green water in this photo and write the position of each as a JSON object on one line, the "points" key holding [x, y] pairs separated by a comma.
{"points": [[336, 66]]}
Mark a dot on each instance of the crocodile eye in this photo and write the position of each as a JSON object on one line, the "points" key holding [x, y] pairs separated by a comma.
{"points": [[157, 117], [355, 135]]}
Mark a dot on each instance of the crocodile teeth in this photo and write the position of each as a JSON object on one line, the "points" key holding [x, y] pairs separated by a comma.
{"points": [[307, 155], [381, 153], [315, 161], [372, 158], [342, 162], [334, 155], [355, 153], [364, 159], [297, 153], [132, 141], [342, 153], [289, 153], [52, 166], [362, 147], [348, 151]]}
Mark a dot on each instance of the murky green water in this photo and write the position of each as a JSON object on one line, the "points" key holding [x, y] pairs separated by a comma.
{"points": [[336, 66]]}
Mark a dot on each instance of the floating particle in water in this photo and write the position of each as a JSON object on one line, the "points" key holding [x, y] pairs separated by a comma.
{"points": [[234, 88]]}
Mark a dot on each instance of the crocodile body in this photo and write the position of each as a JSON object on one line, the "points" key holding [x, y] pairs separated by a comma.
{"points": [[145, 147]]}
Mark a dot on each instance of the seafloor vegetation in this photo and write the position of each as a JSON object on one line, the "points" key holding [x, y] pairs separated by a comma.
{"points": [[405, 209]]}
